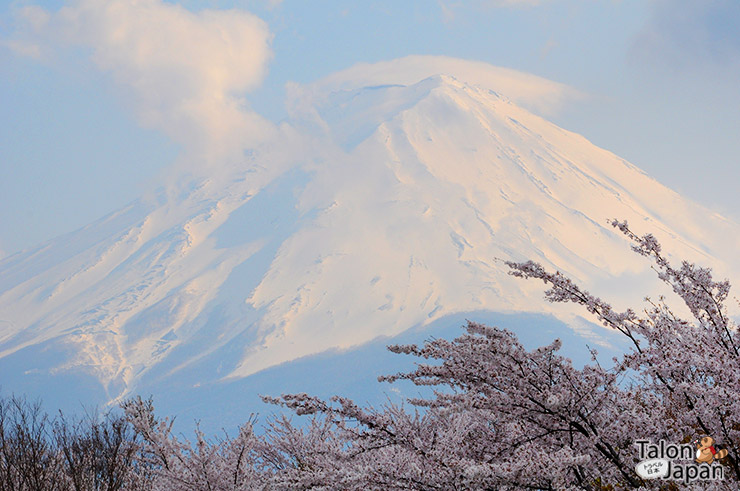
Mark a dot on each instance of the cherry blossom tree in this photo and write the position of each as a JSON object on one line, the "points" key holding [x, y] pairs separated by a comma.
{"points": [[510, 419], [504, 417], [168, 463], [690, 367]]}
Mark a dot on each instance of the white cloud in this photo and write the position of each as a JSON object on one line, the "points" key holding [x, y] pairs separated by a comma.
{"points": [[185, 73], [538, 94]]}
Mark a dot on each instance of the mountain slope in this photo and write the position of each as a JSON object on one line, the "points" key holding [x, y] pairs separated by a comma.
{"points": [[392, 216]]}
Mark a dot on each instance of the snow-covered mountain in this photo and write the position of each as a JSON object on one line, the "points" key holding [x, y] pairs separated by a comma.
{"points": [[374, 210]]}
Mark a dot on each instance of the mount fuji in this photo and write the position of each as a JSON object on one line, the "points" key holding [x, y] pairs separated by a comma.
{"points": [[377, 209]]}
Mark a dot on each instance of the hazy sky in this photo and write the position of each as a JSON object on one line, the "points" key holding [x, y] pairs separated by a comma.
{"points": [[98, 97]]}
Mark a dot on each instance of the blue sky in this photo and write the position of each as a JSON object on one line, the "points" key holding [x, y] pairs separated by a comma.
{"points": [[87, 125]]}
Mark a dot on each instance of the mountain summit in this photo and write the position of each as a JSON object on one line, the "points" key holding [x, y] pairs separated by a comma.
{"points": [[378, 209]]}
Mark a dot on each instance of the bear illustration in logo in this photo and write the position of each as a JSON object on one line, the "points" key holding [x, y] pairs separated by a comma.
{"points": [[705, 451]]}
